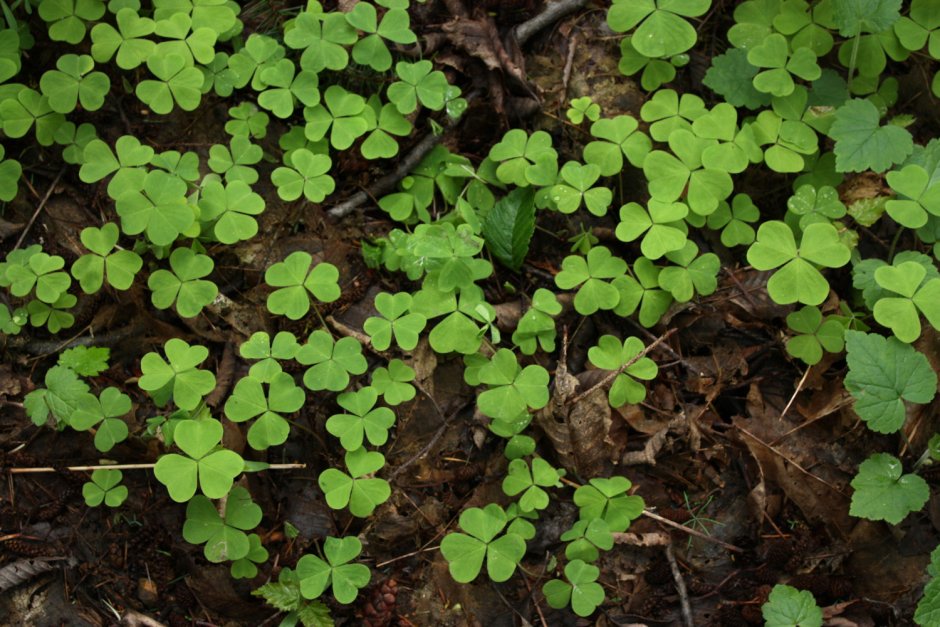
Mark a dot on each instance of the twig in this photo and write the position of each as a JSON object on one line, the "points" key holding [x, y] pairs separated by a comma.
{"points": [[42, 203], [693, 532], [39, 469], [613, 374], [552, 13], [680, 587], [387, 182]]}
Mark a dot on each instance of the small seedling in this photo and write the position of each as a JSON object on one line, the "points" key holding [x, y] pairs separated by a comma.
{"points": [[104, 487]]}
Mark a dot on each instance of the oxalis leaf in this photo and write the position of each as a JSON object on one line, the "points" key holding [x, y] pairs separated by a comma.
{"points": [[509, 227], [883, 373]]}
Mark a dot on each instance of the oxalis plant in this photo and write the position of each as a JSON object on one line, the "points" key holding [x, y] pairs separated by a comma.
{"points": [[803, 92]]}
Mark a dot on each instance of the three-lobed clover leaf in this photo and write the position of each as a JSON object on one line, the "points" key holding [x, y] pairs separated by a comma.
{"points": [[237, 160], [586, 539], [616, 138], [176, 82], [530, 482], [53, 315], [577, 188], [307, 175], [581, 589], [882, 492], [590, 273], [661, 30], [394, 26], [920, 196], [815, 334], [512, 389], [269, 352], [104, 413], [394, 383], [250, 401], [693, 273], [177, 377], [883, 374], [159, 209], [316, 575], [41, 272], [247, 121], [607, 498], [814, 204], [908, 294], [581, 108], [231, 207], [797, 279], [128, 40], [331, 362], [774, 54], [105, 487], [611, 354], [343, 114], [788, 607], [128, 166], [28, 107], [184, 285], [74, 81], [285, 86], [323, 38], [666, 111], [466, 552], [67, 18], [297, 281], [661, 226], [364, 421], [118, 266], [358, 489], [536, 327], [418, 82], [525, 160], [380, 144], [394, 322], [206, 465], [224, 536], [245, 568]]}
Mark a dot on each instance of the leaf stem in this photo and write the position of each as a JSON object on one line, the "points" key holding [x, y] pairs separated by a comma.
{"points": [[894, 243], [854, 57]]}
